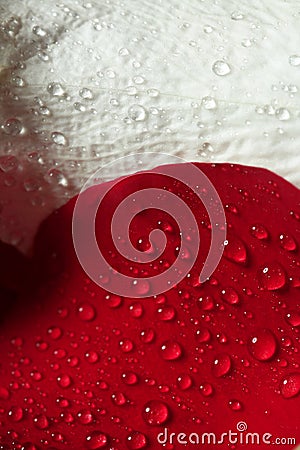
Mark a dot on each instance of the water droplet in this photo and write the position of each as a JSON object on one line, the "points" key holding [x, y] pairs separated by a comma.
{"points": [[288, 242], [126, 345], [64, 381], [55, 332], [153, 92], [282, 114], [294, 60], [79, 107], [235, 250], [130, 378], [55, 176], [293, 318], [136, 440], [18, 81], [12, 127], [86, 94], [124, 51], [221, 68], [56, 89], [147, 336], [221, 365], [86, 312], [208, 29], [206, 303], [235, 405], [230, 296], [166, 313], [209, 103], [155, 413], [41, 422], [8, 163], [137, 113], [4, 393], [85, 417], [113, 301], [206, 389], [290, 386], [141, 287], [136, 310], [263, 345], [118, 398], [203, 335], [184, 382], [138, 79], [237, 15], [259, 232], [171, 350], [92, 357], [58, 138], [97, 439], [38, 31], [272, 276], [16, 413]]}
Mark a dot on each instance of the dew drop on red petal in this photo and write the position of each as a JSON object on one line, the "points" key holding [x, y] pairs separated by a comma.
{"points": [[166, 313], [203, 335], [259, 232], [230, 296], [136, 440], [206, 303], [4, 393], [288, 242], [147, 336], [92, 357], [55, 332], [206, 389], [155, 412], [272, 276], [235, 250], [41, 422], [263, 345], [293, 318], [85, 417], [290, 386], [16, 413], [171, 350], [130, 378], [64, 381], [184, 382], [126, 345], [86, 312], [235, 405], [113, 301], [136, 310], [118, 398], [221, 365], [96, 440]]}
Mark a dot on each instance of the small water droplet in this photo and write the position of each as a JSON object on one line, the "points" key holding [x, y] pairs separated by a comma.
{"points": [[126, 345], [203, 335], [259, 232], [155, 413], [290, 386], [235, 250], [58, 138], [171, 350], [86, 94], [85, 416], [263, 345], [136, 310], [206, 389], [288, 242], [64, 381], [86, 312], [4, 393], [38, 31], [97, 439], [272, 276], [55, 176], [147, 336], [209, 102], [293, 318], [153, 92], [137, 113], [221, 68], [208, 29], [184, 382], [282, 114], [235, 405], [230, 296], [124, 52], [294, 60], [237, 15], [221, 365], [166, 313], [41, 421], [16, 413], [130, 378], [8, 163], [12, 127], [138, 79], [136, 440], [56, 89]]}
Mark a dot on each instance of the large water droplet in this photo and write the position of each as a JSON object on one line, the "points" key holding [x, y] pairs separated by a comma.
{"points": [[171, 350], [263, 345], [56, 89], [290, 386], [272, 276], [155, 412], [221, 68], [59, 138]]}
